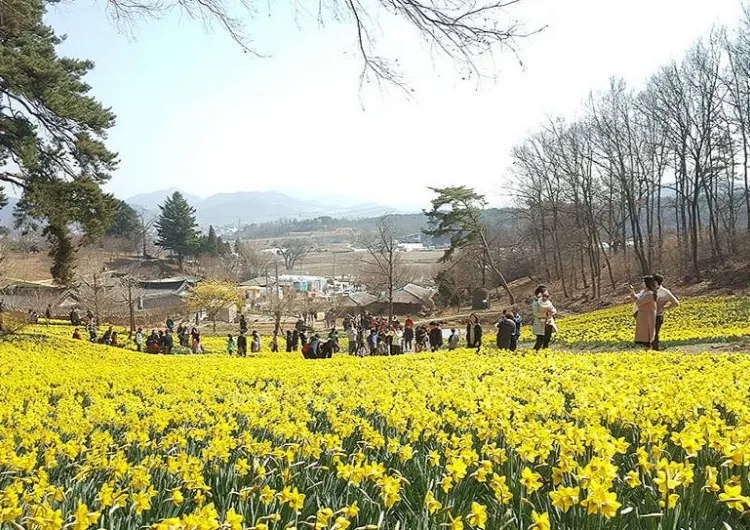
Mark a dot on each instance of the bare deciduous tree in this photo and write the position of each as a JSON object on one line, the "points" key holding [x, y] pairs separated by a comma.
{"points": [[642, 173], [280, 305], [293, 251], [96, 287], [383, 268]]}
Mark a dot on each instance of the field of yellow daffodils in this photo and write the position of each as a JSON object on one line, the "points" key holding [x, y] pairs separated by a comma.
{"points": [[96, 437], [701, 319]]}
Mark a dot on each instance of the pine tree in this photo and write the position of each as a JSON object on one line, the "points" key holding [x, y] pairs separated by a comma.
{"points": [[51, 134], [176, 227], [125, 223], [211, 243]]}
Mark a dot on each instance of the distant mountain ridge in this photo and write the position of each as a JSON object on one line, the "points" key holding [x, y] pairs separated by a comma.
{"points": [[6, 214], [258, 206]]}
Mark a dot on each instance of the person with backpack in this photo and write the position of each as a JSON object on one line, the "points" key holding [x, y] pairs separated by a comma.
{"points": [[241, 345]]}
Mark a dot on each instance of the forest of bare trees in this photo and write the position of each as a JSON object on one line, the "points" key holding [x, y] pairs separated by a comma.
{"points": [[655, 178]]}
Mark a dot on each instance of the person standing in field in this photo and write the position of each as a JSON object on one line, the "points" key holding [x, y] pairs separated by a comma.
{"points": [[241, 345], [409, 336], [665, 300], [168, 342], [230, 345], [295, 339], [196, 336], [518, 321], [275, 342], [506, 331], [351, 335], [139, 339], [255, 342], [473, 332], [645, 317], [435, 336], [453, 340], [544, 317]]}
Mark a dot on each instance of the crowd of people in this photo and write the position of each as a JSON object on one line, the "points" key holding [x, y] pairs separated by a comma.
{"points": [[372, 335], [163, 340], [367, 334]]}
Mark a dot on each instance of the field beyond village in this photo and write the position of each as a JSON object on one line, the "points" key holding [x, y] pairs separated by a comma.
{"points": [[593, 434]]}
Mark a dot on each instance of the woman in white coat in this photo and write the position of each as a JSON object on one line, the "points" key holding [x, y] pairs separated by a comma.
{"points": [[544, 317]]}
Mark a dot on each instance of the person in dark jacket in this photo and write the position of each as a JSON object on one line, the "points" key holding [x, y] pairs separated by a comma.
{"points": [[473, 332], [289, 341], [409, 338], [506, 331], [168, 342], [326, 349], [517, 336], [295, 340], [420, 336], [241, 345], [436, 336], [243, 324]]}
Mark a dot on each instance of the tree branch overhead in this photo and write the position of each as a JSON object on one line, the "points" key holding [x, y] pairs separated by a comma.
{"points": [[461, 31]]}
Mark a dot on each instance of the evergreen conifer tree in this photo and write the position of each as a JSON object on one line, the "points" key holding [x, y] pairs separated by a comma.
{"points": [[176, 227], [51, 134]]}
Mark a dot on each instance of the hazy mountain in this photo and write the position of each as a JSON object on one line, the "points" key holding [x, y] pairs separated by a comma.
{"points": [[259, 206], [151, 201], [6, 214]]}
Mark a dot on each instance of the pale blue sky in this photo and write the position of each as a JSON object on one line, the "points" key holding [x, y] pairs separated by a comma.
{"points": [[195, 112]]}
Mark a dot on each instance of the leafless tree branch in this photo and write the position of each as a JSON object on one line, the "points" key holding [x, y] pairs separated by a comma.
{"points": [[462, 31]]}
